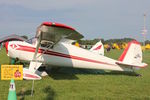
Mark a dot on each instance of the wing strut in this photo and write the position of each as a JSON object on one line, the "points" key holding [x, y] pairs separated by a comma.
{"points": [[34, 65], [37, 47]]}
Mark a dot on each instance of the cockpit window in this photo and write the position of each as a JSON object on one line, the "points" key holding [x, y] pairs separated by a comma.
{"points": [[46, 44], [32, 41]]}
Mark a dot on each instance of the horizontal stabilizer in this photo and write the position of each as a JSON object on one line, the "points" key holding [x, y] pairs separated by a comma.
{"points": [[141, 65], [28, 75]]}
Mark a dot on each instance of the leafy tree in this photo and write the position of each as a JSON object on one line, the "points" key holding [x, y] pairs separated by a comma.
{"points": [[110, 41], [147, 42]]}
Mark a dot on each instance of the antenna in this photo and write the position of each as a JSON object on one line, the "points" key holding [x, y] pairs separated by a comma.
{"points": [[144, 30]]}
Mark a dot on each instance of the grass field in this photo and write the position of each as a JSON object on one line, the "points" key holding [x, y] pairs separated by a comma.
{"points": [[79, 84]]}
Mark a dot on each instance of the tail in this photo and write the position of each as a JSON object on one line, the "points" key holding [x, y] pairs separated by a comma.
{"points": [[132, 55], [98, 48]]}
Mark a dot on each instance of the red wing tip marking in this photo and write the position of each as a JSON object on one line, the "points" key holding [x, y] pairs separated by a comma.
{"points": [[57, 25]]}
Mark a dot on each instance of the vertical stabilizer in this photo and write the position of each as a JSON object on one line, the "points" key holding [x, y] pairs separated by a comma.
{"points": [[98, 48], [132, 54]]}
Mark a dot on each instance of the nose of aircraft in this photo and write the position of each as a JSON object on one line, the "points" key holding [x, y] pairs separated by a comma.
{"points": [[6, 46]]}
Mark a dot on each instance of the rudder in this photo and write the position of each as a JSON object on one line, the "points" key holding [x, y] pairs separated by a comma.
{"points": [[132, 54]]}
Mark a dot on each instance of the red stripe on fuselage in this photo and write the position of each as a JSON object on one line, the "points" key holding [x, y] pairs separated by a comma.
{"points": [[32, 49], [29, 49]]}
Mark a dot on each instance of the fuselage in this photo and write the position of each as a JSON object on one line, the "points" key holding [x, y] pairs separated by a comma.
{"points": [[62, 55]]}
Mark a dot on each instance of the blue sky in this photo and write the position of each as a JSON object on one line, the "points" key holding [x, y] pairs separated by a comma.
{"points": [[93, 18]]}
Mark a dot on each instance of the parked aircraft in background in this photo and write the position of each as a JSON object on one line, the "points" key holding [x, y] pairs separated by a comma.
{"points": [[98, 48]]}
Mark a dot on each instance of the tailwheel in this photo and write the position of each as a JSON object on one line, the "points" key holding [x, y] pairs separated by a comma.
{"points": [[138, 75]]}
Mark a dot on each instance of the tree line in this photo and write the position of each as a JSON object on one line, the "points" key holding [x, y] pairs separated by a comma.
{"points": [[109, 41]]}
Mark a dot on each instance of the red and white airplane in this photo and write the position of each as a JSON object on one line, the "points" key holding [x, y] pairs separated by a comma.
{"points": [[52, 46], [98, 48]]}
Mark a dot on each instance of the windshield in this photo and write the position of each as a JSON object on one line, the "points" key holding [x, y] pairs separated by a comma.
{"points": [[44, 43], [32, 40]]}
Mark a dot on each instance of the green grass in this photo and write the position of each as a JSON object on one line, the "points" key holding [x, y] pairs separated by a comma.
{"points": [[79, 84]]}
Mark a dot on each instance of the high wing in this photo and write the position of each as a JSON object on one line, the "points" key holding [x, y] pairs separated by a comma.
{"points": [[53, 32]]}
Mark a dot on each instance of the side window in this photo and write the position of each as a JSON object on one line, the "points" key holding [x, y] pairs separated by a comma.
{"points": [[32, 41], [47, 44], [29, 41]]}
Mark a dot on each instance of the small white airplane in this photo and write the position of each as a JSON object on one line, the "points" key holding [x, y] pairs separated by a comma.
{"points": [[98, 48], [52, 46]]}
